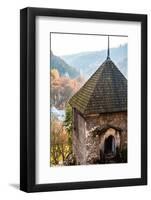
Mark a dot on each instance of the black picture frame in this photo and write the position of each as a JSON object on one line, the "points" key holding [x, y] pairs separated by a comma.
{"points": [[28, 99]]}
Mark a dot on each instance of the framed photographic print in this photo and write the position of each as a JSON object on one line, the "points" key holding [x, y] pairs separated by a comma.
{"points": [[83, 99]]}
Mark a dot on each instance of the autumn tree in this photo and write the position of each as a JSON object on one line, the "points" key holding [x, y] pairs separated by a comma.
{"points": [[62, 88], [60, 148], [55, 74]]}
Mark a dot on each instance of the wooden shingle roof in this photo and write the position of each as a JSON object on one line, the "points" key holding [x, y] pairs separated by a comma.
{"points": [[104, 92]]}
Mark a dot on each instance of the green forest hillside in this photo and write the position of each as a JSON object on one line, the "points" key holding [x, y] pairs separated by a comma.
{"points": [[63, 68]]}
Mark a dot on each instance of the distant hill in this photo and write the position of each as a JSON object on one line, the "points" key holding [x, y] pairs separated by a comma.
{"points": [[88, 62], [63, 68]]}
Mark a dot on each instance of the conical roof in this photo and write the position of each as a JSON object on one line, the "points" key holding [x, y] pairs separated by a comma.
{"points": [[104, 92]]}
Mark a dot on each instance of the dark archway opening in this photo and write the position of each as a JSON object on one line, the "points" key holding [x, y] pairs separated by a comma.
{"points": [[109, 146]]}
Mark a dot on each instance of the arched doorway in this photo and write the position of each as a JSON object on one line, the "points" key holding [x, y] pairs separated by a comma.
{"points": [[109, 145]]}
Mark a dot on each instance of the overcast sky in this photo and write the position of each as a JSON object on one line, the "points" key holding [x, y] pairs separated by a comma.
{"points": [[64, 44]]}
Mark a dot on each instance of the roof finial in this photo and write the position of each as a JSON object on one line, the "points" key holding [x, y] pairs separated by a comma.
{"points": [[108, 50]]}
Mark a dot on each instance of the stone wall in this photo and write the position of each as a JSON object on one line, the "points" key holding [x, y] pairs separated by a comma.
{"points": [[79, 138], [86, 144], [95, 142]]}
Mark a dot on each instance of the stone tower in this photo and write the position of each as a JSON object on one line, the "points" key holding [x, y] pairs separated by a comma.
{"points": [[100, 115]]}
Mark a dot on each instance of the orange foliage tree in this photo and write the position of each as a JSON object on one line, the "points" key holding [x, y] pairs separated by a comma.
{"points": [[62, 88]]}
